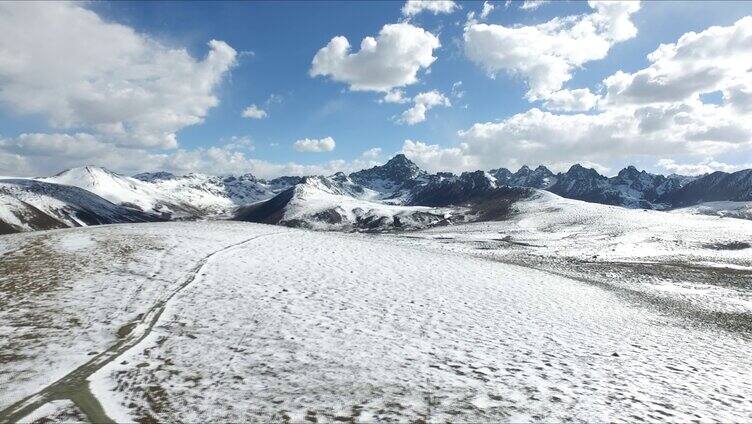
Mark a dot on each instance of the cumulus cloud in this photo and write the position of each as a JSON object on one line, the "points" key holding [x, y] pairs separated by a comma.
{"points": [[705, 166], [63, 62], [47, 154], [545, 55], [395, 96], [254, 112], [538, 136], [564, 100], [421, 104], [434, 158], [656, 112], [373, 153], [314, 145], [717, 59], [414, 7], [392, 59], [532, 4]]}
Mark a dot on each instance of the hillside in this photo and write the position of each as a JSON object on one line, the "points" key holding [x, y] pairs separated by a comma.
{"points": [[444, 324], [27, 205]]}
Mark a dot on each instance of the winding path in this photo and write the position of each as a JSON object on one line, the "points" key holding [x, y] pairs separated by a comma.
{"points": [[75, 385]]}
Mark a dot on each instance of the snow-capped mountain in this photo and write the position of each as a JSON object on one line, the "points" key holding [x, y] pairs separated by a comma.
{"points": [[541, 177], [397, 194], [630, 188], [27, 205], [338, 203], [173, 197], [718, 186], [394, 180]]}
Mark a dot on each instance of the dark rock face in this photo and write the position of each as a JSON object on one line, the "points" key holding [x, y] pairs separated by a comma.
{"points": [[286, 181], [154, 176], [400, 173], [585, 184], [712, 187], [454, 190], [268, 212]]}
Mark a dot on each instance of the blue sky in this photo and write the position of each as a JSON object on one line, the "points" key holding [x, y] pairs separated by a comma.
{"points": [[274, 45]]}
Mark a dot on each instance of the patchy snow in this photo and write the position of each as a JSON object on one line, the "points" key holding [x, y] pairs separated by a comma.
{"points": [[10, 210], [741, 210], [500, 321], [59, 306], [55, 411], [323, 206], [77, 242], [572, 228]]}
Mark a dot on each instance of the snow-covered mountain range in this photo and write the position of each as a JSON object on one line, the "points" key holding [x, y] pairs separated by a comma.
{"points": [[396, 195]]}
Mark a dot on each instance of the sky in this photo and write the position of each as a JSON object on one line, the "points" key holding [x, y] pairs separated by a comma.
{"points": [[283, 88]]}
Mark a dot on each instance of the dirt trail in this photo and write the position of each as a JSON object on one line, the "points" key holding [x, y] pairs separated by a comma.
{"points": [[75, 385]]}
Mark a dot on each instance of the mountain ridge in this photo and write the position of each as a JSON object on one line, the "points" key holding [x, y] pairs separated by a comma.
{"points": [[395, 195]]}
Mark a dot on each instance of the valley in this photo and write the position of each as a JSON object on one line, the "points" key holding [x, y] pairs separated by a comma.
{"points": [[563, 311]]}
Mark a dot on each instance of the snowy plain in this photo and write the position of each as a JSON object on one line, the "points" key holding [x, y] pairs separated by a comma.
{"points": [[548, 316]]}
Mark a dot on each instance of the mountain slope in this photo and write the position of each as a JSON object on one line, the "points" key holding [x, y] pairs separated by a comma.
{"points": [[174, 197], [336, 203], [718, 186], [27, 205], [725, 209]]}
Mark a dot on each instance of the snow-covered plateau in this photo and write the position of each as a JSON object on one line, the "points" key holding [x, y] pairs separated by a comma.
{"points": [[563, 311]]}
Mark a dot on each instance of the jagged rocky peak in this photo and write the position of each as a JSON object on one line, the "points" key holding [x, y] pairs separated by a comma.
{"points": [[501, 174], [286, 181], [523, 171], [479, 179], [400, 167], [579, 171], [394, 179], [340, 177], [542, 170]]}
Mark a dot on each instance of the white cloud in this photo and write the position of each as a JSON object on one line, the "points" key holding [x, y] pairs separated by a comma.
{"points": [[392, 59], [421, 104], [717, 59], [395, 96], [571, 100], [314, 145], [545, 55], [274, 98], [654, 113], [239, 143], [457, 91], [540, 137], [254, 112], [487, 9], [536, 136], [434, 158], [64, 63], [414, 7], [705, 166], [47, 154], [373, 153], [532, 4]]}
